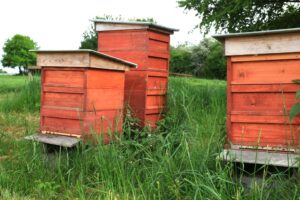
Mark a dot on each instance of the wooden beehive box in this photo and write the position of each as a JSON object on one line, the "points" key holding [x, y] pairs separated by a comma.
{"points": [[82, 93], [148, 45], [260, 69]]}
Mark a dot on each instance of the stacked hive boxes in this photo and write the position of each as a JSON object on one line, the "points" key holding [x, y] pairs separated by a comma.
{"points": [[147, 45]]}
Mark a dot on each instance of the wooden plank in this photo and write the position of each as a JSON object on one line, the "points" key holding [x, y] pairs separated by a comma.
{"points": [[156, 63], [265, 88], [274, 135], [63, 99], [270, 119], [104, 121], [268, 57], [158, 36], [263, 44], [157, 83], [62, 113], [105, 79], [65, 78], [151, 92], [95, 62], [133, 40], [117, 27], [56, 89], [156, 45], [62, 125], [265, 72], [59, 140], [260, 157], [155, 101], [262, 102], [104, 99], [52, 59]]}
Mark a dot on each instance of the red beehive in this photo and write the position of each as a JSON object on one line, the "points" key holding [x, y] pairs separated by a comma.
{"points": [[260, 69], [82, 93], [147, 45]]}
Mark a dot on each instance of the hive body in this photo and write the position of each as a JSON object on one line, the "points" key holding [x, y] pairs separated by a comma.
{"points": [[261, 92], [82, 94], [148, 47]]}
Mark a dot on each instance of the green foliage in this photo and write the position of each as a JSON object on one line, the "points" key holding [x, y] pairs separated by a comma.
{"points": [[26, 98], [295, 109], [181, 59], [244, 15], [90, 39], [215, 62], [204, 60], [17, 54]]}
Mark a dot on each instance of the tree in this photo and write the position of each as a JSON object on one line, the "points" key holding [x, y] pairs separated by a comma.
{"points": [[204, 60], [244, 15], [90, 36], [17, 54], [215, 62], [180, 61], [89, 39]]}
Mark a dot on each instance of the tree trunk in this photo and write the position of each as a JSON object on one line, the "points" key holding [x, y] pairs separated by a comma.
{"points": [[20, 71]]}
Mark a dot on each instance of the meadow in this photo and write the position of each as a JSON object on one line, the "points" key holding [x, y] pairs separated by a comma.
{"points": [[177, 161]]}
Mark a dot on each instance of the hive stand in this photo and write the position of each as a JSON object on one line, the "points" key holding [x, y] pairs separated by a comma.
{"points": [[147, 45]]}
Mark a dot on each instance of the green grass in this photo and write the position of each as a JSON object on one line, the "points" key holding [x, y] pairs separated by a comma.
{"points": [[178, 161], [23, 95]]}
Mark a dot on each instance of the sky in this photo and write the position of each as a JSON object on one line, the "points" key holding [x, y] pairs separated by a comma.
{"points": [[59, 24]]}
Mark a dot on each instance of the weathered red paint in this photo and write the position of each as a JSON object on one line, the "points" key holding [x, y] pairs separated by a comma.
{"points": [[82, 101], [260, 95], [146, 86]]}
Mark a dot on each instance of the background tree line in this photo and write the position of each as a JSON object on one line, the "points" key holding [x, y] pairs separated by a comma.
{"points": [[205, 60], [202, 60]]}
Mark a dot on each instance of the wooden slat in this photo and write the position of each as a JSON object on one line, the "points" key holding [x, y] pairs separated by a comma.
{"points": [[280, 159], [105, 79], [56, 89], [156, 63], [264, 134], [269, 88], [159, 36], [52, 59], [62, 77], [262, 102], [133, 40], [268, 57], [264, 44], [63, 100], [156, 45], [155, 101], [104, 99], [265, 72], [95, 62], [266, 119]]}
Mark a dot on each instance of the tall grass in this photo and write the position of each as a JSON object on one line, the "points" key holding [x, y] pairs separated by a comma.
{"points": [[23, 99], [177, 161]]}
